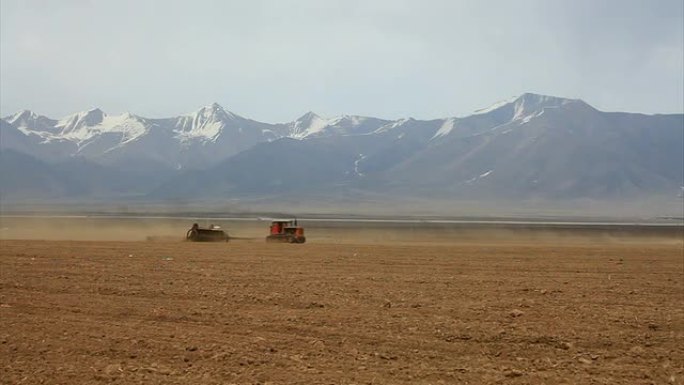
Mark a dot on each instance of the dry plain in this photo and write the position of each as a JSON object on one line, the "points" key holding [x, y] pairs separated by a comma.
{"points": [[92, 302]]}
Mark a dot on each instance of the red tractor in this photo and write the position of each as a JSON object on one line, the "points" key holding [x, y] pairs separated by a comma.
{"points": [[286, 231]]}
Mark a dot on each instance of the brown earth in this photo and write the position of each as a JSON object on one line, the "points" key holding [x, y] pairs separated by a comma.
{"points": [[382, 306]]}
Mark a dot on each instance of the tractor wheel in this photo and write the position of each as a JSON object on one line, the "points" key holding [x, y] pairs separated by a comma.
{"points": [[191, 235]]}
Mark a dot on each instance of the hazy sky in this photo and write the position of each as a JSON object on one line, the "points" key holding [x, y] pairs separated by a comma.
{"points": [[274, 60]]}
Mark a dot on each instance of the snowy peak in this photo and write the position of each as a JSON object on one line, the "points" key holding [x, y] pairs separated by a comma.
{"points": [[307, 125], [21, 117], [312, 125], [85, 126], [530, 103], [215, 112], [28, 121], [205, 124], [516, 111], [525, 107], [309, 116], [81, 121], [211, 113], [350, 123], [393, 125]]}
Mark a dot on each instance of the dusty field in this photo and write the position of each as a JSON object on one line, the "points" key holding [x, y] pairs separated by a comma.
{"points": [[485, 307]]}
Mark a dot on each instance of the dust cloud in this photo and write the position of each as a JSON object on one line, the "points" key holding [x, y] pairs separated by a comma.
{"points": [[84, 228], [110, 229]]}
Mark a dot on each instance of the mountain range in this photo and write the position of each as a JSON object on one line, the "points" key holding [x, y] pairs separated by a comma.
{"points": [[525, 148]]}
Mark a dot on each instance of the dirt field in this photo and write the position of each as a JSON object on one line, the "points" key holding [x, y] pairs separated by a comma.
{"points": [[383, 306]]}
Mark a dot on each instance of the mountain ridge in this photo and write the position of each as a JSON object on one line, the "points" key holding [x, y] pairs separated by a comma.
{"points": [[530, 147]]}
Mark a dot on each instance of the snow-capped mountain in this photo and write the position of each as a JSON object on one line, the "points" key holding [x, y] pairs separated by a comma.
{"points": [[544, 147], [311, 125], [207, 124], [193, 140], [528, 147], [307, 125], [28, 122], [197, 139], [80, 127]]}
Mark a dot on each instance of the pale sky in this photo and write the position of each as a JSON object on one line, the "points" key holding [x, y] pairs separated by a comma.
{"points": [[274, 60]]}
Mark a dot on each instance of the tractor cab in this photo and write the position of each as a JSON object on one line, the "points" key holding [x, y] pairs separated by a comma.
{"points": [[286, 231]]}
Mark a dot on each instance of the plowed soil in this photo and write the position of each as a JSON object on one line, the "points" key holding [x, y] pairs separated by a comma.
{"points": [[425, 310]]}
